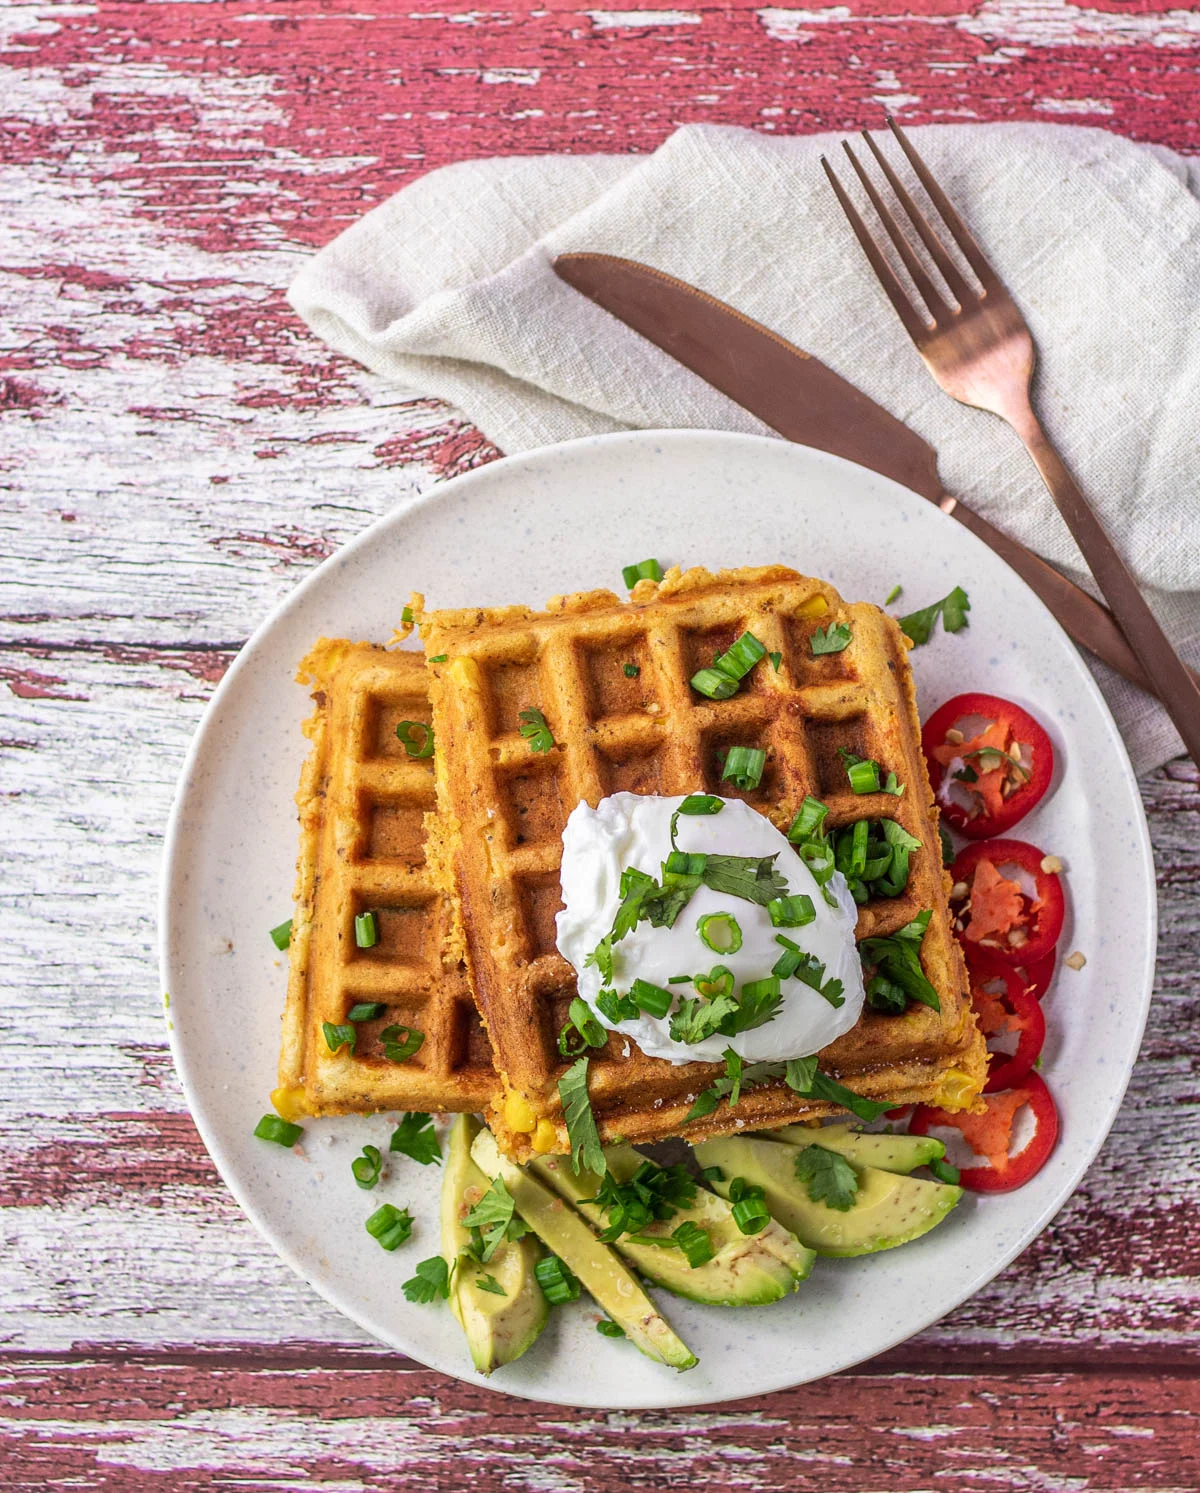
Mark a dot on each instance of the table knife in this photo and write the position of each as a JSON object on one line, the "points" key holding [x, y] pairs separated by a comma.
{"points": [[798, 396]]}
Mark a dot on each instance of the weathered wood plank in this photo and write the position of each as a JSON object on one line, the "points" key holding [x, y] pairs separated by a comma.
{"points": [[131, 1423]]}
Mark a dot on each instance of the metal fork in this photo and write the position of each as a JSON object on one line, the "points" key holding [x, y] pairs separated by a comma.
{"points": [[981, 353]]}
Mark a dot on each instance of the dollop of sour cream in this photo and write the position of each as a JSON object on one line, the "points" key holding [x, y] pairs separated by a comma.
{"points": [[630, 829]]}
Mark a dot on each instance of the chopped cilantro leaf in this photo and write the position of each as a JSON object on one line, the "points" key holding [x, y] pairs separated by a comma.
{"points": [[416, 1137], [432, 1279], [832, 639], [586, 1150], [953, 609], [830, 1177], [535, 730], [491, 1215]]}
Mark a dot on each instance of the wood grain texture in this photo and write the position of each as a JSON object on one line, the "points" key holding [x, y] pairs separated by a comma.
{"points": [[175, 453]]}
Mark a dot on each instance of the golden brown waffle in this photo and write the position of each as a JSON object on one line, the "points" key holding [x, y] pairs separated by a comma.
{"points": [[503, 808], [362, 805]]}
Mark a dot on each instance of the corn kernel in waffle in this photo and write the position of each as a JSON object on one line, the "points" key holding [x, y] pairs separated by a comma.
{"points": [[611, 681], [363, 800]]}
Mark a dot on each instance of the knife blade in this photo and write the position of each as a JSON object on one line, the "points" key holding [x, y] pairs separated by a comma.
{"points": [[807, 402]]}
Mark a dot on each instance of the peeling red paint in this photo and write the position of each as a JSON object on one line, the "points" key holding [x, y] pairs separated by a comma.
{"points": [[447, 450], [291, 544], [28, 684]]}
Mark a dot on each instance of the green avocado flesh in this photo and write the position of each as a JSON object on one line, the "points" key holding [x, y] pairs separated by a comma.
{"points": [[888, 1210], [597, 1266], [892, 1153], [498, 1328], [746, 1270]]}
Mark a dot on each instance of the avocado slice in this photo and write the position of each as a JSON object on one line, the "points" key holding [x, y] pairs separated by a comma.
{"points": [[498, 1328], [892, 1153], [888, 1209], [745, 1270], [596, 1265]]}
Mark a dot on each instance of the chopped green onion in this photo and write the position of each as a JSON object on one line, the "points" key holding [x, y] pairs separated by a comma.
{"points": [[760, 989], [400, 1042], [744, 765], [892, 595], [438, 658], [680, 980], [390, 1225], [406, 615], [282, 1132], [741, 657], [808, 820], [832, 639], [534, 729], [366, 1011], [791, 912], [367, 1167], [720, 932], [432, 1279], [644, 570], [339, 1036], [943, 1171], [715, 984], [366, 930], [714, 684], [864, 776], [681, 863], [695, 1243], [606, 1327], [557, 1282], [653, 1000], [776, 660], [712, 1174], [415, 1137], [631, 671], [281, 936], [749, 1206], [419, 747], [701, 803]]}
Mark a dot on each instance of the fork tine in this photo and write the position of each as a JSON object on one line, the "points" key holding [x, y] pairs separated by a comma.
{"points": [[959, 231], [925, 286], [916, 327], [962, 291]]}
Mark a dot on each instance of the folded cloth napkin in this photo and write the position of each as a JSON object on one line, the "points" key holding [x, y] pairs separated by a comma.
{"points": [[447, 289]]}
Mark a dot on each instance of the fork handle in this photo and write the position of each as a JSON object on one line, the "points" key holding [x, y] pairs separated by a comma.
{"points": [[1090, 624], [1171, 680]]}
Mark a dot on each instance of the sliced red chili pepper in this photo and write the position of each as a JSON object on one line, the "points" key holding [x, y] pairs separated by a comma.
{"points": [[1035, 974], [1012, 1009], [994, 914], [990, 1135], [989, 778]]}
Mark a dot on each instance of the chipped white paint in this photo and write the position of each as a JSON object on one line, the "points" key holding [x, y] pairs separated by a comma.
{"points": [[605, 20], [1029, 23]]}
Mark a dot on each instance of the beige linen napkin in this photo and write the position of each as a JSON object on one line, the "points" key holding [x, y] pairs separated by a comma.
{"points": [[447, 289]]}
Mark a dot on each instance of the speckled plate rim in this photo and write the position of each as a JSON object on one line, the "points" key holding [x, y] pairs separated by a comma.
{"points": [[627, 1385]]}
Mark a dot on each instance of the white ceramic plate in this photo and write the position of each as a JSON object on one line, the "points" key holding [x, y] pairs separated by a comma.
{"points": [[563, 519]]}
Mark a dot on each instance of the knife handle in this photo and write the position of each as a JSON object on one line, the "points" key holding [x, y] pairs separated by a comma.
{"points": [[1085, 619]]}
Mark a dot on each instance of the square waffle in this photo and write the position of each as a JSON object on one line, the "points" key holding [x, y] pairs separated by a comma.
{"points": [[503, 809], [363, 804]]}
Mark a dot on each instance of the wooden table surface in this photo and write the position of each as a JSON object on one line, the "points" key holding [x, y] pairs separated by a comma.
{"points": [[177, 452]]}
